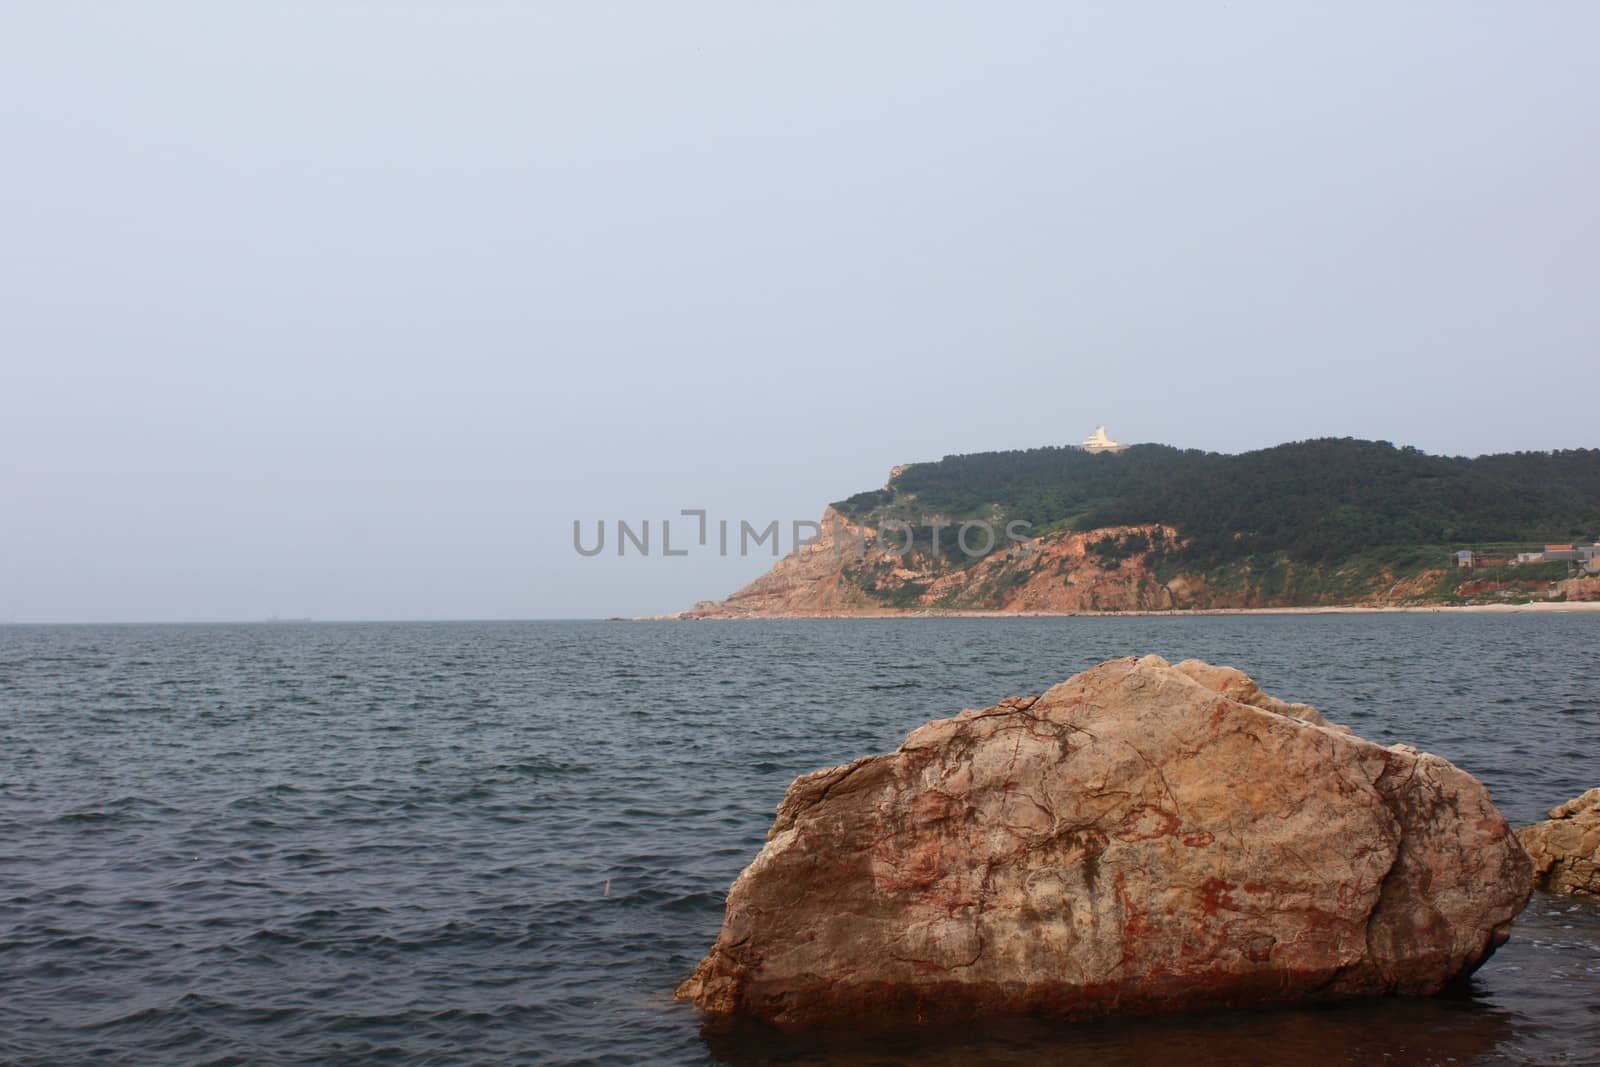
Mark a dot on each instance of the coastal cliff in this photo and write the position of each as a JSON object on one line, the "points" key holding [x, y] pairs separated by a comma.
{"points": [[1059, 573], [1313, 524]]}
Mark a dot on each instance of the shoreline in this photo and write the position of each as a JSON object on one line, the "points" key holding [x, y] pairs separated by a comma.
{"points": [[1536, 608]]}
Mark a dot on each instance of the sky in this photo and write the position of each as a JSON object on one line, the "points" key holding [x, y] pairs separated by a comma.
{"points": [[349, 310]]}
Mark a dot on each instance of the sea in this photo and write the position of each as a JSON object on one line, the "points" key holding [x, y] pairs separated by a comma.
{"points": [[440, 843]]}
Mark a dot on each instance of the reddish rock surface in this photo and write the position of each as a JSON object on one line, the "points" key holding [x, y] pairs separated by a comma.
{"points": [[1565, 849], [1061, 573], [1142, 837]]}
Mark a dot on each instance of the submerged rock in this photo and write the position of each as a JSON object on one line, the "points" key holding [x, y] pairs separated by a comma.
{"points": [[1142, 837], [1565, 848]]}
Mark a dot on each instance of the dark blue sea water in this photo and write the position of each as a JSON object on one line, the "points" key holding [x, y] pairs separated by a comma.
{"points": [[454, 843]]}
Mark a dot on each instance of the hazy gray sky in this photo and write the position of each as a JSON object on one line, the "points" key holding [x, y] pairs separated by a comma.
{"points": [[349, 309]]}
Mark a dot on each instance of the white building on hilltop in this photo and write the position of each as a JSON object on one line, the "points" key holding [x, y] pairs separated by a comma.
{"points": [[1100, 442]]}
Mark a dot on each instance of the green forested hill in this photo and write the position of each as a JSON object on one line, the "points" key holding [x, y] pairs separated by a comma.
{"points": [[1042, 485], [1318, 501]]}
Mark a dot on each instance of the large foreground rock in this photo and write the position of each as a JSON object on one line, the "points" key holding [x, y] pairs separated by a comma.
{"points": [[1565, 849], [1142, 837]]}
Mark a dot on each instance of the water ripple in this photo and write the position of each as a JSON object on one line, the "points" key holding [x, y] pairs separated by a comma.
{"points": [[440, 843]]}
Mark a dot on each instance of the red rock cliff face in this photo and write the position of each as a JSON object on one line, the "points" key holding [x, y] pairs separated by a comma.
{"points": [[1140, 838], [1057, 573], [1060, 572], [808, 581]]}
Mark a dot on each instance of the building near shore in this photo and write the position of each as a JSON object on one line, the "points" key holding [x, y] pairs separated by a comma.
{"points": [[1100, 441], [1584, 554]]}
